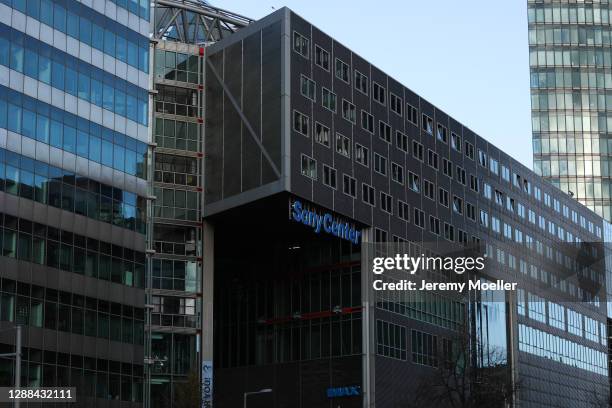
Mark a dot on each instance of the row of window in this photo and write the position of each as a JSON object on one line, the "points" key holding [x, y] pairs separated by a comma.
{"points": [[180, 170], [176, 66], [175, 275], [583, 84], [104, 379], [586, 57], [90, 27], [176, 204], [35, 180], [570, 122], [568, 13], [36, 306], [574, 100], [593, 35], [176, 134], [45, 245], [38, 121], [62, 71], [547, 345]]}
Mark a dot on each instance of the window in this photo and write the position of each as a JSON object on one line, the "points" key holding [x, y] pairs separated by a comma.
{"points": [[386, 203], [456, 142], [328, 99], [499, 197], [342, 71], [429, 189], [349, 185], [484, 218], [505, 173], [474, 183], [419, 218], [321, 134], [412, 114], [301, 44], [447, 168], [414, 182], [432, 159], [384, 131], [401, 140], [367, 121], [321, 58], [434, 225], [379, 93], [390, 340], [301, 123], [397, 173], [367, 194], [417, 150], [462, 237], [380, 164], [329, 176], [362, 155], [348, 111], [457, 205], [494, 166], [343, 145], [449, 232], [470, 209], [441, 134], [488, 192], [443, 196], [361, 82], [396, 103], [461, 175], [469, 150], [308, 88], [403, 210], [309, 167], [482, 158], [380, 235], [424, 348], [510, 204], [427, 124]]}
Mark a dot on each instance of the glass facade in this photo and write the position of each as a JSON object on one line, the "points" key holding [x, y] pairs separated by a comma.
{"points": [[570, 60], [74, 159]]}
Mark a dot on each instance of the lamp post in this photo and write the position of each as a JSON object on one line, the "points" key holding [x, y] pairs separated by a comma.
{"points": [[263, 391]]}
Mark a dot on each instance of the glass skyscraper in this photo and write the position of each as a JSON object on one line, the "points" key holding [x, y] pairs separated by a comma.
{"points": [[74, 143], [570, 60]]}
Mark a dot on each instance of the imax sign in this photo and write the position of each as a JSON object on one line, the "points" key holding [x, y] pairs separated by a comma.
{"points": [[337, 392], [324, 222]]}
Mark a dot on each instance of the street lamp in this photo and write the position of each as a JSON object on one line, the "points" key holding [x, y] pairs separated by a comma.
{"points": [[263, 391]]}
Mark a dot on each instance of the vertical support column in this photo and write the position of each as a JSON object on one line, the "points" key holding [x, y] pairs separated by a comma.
{"points": [[208, 270], [17, 362], [368, 334]]}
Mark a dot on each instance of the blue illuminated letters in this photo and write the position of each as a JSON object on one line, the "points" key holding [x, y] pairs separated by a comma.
{"points": [[324, 223]]}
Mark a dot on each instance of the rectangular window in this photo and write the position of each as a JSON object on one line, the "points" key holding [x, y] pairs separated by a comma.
{"points": [[328, 99], [308, 88], [458, 204], [379, 93], [349, 185], [321, 134], [343, 145], [384, 131], [380, 164], [368, 194], [397, 173], [505, 173], [367, 121], [419, 218], [424, 347], [386, 203], [329, 176], [469, 150], [403, 210], [443, 197], [301, 123], [412, 114], [461, 175], [417, 150], [434, 225], [309, 167], [343, 71], [494, 166], [432, 159], [449, 232], [447, 168], [301, 44], [474, 183], [391, 340], [414, 182], [482, 158], [396, 103], [348, 111], [362, 155], [442, 134], [361, 82], [321, 58], [427, 124], [401, 140], [456, 142], [470, 209], [484, 218], [429, 189]]}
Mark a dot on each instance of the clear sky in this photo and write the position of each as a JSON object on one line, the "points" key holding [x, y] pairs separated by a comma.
{"points": [[469, 58]]}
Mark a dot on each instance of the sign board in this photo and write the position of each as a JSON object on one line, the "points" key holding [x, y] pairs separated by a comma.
{"points": [[207, 384], [322, 221]]}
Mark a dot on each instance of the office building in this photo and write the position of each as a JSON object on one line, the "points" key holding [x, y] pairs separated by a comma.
{"points": [[74, 149], [569, 60], [295, 120]]}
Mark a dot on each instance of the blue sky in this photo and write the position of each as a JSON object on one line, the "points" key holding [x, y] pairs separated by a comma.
{"points": [[469, 58]]}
